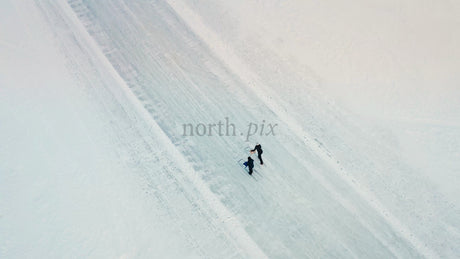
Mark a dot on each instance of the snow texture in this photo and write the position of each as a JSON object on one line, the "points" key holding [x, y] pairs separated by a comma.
{"points": [[363, 162]]}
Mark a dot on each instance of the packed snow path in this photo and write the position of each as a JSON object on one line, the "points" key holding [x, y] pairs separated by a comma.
{"points": [[139, 71]]}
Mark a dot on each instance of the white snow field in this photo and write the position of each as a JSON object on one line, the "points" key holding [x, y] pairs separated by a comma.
{"points": [[363, 162]]}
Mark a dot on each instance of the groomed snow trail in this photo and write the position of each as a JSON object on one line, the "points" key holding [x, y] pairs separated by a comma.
{"points": [[128, 71], [173, 87], [137, 72]]}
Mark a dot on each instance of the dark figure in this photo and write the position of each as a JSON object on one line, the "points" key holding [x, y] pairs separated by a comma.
{"points": [[250, 164], [258, 147]]}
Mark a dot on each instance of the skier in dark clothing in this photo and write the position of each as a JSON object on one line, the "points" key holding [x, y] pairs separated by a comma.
{"points": [[250, 164], [258, 147]]}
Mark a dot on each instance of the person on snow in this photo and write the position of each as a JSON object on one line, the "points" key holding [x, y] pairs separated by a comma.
{"points": [[249, 164], [258, 147]]}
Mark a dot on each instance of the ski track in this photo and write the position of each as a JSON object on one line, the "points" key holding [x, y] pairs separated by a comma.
{"points": [[251, 78], [224, 216], [154, 111]]}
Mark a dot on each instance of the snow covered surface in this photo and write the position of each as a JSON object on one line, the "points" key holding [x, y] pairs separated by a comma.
{"points": [[364, 161]]}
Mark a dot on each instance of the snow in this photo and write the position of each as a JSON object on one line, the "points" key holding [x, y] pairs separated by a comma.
{"points": [[363, 162]]}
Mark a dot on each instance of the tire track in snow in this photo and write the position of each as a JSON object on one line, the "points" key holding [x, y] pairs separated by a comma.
{"points": [[240, 69], [232, 225]]}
